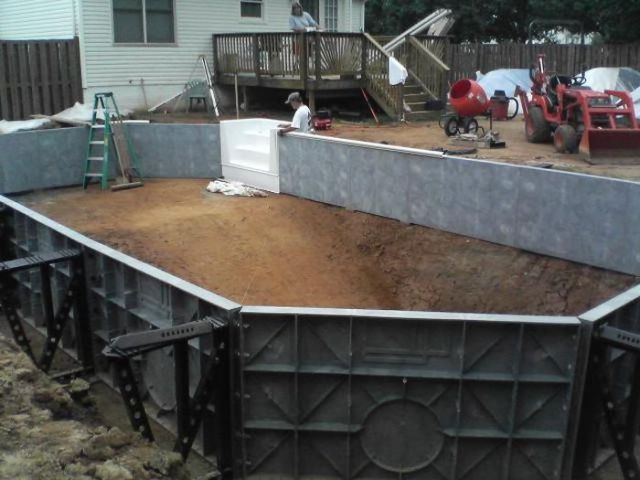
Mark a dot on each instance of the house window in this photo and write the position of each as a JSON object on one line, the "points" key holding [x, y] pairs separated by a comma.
{"points": [[143, 21], [251, 8], [331, 15], [312, 7]]}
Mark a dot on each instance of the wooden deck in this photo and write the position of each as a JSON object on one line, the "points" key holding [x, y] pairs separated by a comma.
{"points": [[321, 61]]}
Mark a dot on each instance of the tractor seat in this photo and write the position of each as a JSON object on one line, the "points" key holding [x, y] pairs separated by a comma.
{"points": [[559, 79]]}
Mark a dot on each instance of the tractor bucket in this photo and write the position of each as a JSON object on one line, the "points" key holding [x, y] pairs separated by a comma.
{"points": [[611, 146]]}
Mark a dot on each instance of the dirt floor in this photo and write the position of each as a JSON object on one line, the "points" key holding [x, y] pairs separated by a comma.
{"points": [[282, 250]]}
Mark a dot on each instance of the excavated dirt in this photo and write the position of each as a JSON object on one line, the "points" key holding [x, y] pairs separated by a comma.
{"points": [[282, 250], [45, 435]]}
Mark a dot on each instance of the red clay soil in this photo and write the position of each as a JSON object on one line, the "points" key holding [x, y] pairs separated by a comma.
{"points": [[282, 250]]}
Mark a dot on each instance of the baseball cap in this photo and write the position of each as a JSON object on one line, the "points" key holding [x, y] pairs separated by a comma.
{"points": [[294, 97]]}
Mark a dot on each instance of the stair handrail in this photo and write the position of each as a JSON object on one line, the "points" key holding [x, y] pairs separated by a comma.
{"points": [[417, 28], [429, 54], [425, 68], [389, 97]]}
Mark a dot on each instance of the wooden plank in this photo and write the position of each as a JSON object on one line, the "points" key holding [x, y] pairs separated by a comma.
{"points": [[5, 109], [24, 83], [75, 70], [45, 73], [34, 74], [12, 70], [65, 78], [56, 84]]}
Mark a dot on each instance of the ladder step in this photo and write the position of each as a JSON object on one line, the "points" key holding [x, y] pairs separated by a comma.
{"points": [[97, 126], [96, 159], [93, 175], [97, 143]]}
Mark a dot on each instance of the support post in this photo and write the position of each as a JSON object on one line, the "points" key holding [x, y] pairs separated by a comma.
{"points": [[245, 98], [47, 300], [181, 376], [312, 100], [317, 55], [304, 59], [215, 70], [256, 56], [81, 317]]}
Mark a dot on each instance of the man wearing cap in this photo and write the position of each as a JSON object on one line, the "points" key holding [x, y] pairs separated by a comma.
{"points": [[301, 119]]}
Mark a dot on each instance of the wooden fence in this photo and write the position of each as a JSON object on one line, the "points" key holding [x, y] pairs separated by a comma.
{"points": [[465, 59], [38, 77]]}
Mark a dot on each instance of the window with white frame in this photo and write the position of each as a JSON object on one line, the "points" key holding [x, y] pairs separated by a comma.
{"points": [[331, 15], [251, 8], [143, 21]]}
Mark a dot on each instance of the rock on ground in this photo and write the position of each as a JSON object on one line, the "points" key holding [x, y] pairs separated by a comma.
{"points": [[45, 435]]}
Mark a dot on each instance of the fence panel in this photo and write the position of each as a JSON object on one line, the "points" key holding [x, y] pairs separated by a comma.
{"points": [[39, 76], [465, 59]]}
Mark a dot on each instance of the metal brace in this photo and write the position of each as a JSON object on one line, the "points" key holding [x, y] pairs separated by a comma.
{"points": [[189, 411], [74, 295], [623, 430]]}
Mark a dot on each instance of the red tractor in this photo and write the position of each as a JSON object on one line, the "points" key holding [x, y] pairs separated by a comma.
{"points": [[601, 126]]}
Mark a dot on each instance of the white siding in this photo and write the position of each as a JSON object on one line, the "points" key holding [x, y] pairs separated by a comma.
{"points": [[357, 17], [165, 69], [36, 19]]}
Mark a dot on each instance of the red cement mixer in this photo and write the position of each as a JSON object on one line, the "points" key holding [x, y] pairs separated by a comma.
{"points": [[468, 100]]}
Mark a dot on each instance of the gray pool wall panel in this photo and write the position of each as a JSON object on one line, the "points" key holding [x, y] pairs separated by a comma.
{"points": [[55, 158], [576, 217]]}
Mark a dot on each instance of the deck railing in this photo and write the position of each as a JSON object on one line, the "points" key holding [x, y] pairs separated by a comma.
{"points": [[312, 55], [376, 75], [304, 58]]}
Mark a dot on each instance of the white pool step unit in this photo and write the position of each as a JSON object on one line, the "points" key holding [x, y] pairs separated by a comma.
{"points": [[249, 152]]}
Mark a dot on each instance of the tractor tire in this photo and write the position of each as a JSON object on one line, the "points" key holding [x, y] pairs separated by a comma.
{"points": [[565, 139], [536, 127]]}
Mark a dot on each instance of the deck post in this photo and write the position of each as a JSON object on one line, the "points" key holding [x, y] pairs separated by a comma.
{"points": [[304, 59], [245, 98], [317, 57], [312, 100], [256, 56], [214, 41], [363, 65]]}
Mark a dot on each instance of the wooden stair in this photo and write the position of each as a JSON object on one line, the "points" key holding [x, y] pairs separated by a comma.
{"points": [[415, 97]]}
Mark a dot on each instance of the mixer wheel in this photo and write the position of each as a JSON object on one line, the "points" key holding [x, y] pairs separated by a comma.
{"points": [[451, 126], [471, 125]]}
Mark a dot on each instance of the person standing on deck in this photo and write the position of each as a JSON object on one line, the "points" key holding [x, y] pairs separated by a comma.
{"points": [[301, 119], [301, 21]]}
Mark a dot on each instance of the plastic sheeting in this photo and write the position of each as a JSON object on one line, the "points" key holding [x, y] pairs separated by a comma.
{"points": [[600, 79], [397, 72], [235, 189], [81, 112], [22, 125]]}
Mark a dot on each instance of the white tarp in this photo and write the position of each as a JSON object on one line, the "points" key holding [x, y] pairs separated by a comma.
{"points": [[397, 72], [7, 126], [81, 112], [598, 79], [237, 189]]}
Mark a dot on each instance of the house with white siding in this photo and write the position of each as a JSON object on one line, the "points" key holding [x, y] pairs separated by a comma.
{"points": [[146, 50]]}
